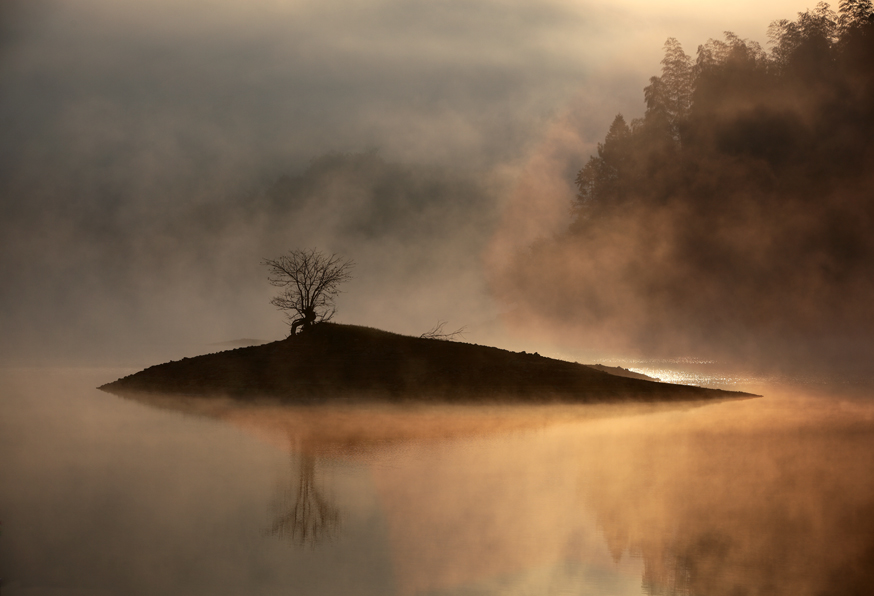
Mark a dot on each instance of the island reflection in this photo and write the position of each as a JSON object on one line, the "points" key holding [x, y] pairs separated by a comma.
{"points": [[765, 496]]}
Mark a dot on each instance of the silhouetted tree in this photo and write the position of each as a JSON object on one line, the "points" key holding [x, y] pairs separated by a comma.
{"points": [[600, 180], [310, 282], [855, 14], [670, 95]]}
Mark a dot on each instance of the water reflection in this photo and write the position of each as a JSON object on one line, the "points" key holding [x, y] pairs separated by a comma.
{"points": [[760, 496], [756, 497], [731, 509], [306, 516]]}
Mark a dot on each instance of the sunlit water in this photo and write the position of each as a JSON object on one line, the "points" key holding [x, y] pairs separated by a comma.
{"points": [[103, 495]]}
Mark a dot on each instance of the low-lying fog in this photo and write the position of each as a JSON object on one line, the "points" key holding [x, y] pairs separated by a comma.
{"points": [[106, 495], [154, 153]]}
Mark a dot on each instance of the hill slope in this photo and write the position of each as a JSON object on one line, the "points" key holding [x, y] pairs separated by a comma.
{"points": [[350, 362]]}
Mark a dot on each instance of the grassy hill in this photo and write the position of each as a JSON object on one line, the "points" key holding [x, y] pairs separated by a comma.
{"points": [[348, 362]]}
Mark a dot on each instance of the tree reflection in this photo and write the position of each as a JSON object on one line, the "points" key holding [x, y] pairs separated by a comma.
{"points": [[698, 567], [781, 512], [306, 517]]}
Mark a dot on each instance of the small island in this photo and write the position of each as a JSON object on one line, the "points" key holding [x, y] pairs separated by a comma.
{"points": [[322, 361], [333, 362]]}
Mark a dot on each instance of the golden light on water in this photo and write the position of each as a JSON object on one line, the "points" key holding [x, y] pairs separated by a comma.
{"points": [[158, 151], [696, 498], [688, 498]]}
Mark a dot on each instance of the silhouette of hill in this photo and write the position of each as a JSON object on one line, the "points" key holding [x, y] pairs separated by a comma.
{"points": [[621, 372], [358, 363], [240, 343]]}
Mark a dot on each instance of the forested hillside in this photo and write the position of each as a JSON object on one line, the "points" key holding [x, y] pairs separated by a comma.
{"points": [[737, 215]]}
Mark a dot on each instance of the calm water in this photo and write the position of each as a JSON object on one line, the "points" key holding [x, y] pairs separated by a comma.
{"points": [[102, 495]]}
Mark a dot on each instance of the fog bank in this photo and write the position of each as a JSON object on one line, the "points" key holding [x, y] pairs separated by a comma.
{"points": [[137, 138]]}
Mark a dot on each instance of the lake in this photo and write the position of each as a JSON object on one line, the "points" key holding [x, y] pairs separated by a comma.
{"points": [[104, 495]]}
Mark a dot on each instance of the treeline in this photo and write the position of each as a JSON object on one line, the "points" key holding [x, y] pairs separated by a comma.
{"points": [[801, 114], [738, 211]]}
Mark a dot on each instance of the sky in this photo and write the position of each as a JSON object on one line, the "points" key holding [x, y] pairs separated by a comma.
{"points": [[140, 139]]}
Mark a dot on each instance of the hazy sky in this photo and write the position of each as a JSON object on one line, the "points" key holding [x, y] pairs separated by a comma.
{"points": [[120, 116]]}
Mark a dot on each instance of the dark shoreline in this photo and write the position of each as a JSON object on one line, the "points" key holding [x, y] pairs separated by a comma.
{"points": [[345, 363]]}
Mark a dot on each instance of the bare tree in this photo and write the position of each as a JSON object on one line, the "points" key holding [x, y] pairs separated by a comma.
{"points": [[310, 282], [436, 332]]}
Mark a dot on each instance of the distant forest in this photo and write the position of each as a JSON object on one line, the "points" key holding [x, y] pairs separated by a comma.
{"points": [[737, 213]]}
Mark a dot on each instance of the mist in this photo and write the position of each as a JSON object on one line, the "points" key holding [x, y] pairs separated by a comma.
{"points": [[733, 220], [153, 154]]}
